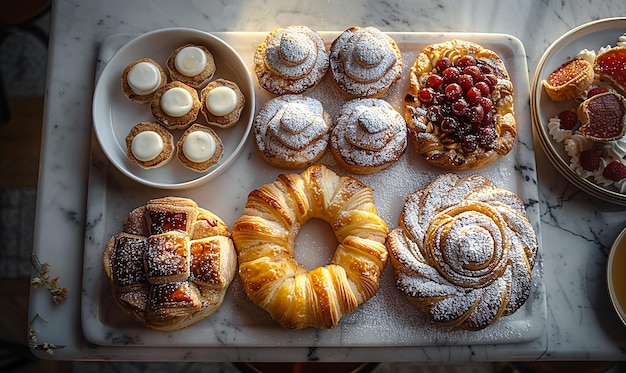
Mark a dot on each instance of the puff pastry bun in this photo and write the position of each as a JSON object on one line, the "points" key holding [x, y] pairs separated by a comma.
{"points": [[463, 251], [291, 60], [265, 236], [365, 62], [368, 136], [459, 106], [171, 265]]}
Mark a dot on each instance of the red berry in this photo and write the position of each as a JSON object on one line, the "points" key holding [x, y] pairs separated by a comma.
{"points": [[615, 171], [589, 160], [596, 91], [568, 119]]}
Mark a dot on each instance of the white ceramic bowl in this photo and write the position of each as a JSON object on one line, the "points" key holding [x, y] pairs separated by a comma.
{"points": [[616, 275], [114, 115]]}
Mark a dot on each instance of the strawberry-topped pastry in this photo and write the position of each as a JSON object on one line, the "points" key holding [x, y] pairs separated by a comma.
{"points": [[593, 130]]}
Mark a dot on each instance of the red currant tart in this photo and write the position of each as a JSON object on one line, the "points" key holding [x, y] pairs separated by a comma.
{"points": [[459, 106]]}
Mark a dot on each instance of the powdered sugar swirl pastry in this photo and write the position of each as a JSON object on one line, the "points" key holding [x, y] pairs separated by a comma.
{"points": [[464, 251], [368, 136], [292, 131], [365, 62], [291, 60]]}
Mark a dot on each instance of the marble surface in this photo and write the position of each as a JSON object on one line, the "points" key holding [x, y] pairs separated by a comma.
{"points": [[577, 230]]}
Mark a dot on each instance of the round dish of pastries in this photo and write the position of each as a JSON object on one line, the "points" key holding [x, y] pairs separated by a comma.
{"points": [[459, 106], [265, 236], [464, 251], [171, 265]]}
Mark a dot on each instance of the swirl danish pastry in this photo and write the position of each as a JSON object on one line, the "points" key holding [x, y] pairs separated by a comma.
{"points": [[265, 236], [464, 251], [171, 265], [368, 135], [292, 131], [290, 60], [365, 62], [459, 106]]}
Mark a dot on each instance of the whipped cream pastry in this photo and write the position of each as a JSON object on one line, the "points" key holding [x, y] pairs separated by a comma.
{"points": [[221, 101], [144, 78], [176, 102], [190, 61], [147, 145], [199, 146]]}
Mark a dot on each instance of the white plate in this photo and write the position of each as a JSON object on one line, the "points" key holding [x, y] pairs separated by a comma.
{"points": [[114, 115], [591, 36], [388, 319], [616, 275]]}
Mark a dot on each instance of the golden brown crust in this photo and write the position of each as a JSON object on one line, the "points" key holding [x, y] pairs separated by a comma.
{"points": [[464, 251], [265, 236], [292, 131], [429, 140], [570, 80], [199, 166], [368, 136], [223, 121], [168, 144], [197, 81], [176, 275], [365, 62], [171, 122], [128, 91], [291, 60]]}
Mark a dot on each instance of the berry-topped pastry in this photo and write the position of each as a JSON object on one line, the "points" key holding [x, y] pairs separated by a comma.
{"points": [[459, 106]]}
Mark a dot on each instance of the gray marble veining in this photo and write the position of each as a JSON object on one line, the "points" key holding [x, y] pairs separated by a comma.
{"points": [[576, 229]]}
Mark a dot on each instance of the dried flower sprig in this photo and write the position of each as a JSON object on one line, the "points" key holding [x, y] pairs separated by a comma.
{"points": [[46, 347], [59, 294]]}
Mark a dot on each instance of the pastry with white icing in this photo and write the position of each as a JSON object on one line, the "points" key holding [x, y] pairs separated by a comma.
{"points": [[141, 79], [292, 131], [149, 145], [222, 103], [199, 148], [365, 62], [175, 105], [464, 251], [191, 64], [368, 136], [291, 60]]}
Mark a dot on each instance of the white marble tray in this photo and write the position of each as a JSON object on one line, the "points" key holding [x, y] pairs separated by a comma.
{"points": [[387, 319]]}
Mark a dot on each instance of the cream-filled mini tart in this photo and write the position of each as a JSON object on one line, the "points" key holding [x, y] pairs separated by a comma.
{"points": [[176, 105], [141, 79], [222, 103], [192, 65], [150, 145], [200, 148]]}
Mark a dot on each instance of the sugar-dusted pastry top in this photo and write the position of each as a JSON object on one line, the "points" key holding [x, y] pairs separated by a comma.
{"points": [[291, 60], [365, 62], [171, 265], [369, 135], [464, 251], [292, 131]]}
